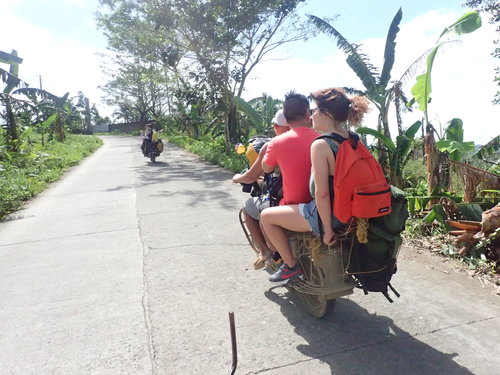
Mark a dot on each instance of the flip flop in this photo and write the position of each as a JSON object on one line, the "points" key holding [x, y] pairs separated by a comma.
{"points": [[259, 263]]}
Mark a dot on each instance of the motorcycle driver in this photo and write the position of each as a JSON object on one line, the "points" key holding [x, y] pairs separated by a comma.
{"points": [[254, 205]]}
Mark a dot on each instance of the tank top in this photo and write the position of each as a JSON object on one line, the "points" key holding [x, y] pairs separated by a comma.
{"points": [[312, 186]]}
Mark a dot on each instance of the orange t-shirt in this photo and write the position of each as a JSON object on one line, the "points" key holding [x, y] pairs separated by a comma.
{"points": [[292, 152]]}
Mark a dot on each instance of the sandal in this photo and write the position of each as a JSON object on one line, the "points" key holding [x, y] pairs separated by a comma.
{"points": [[259, 263]]}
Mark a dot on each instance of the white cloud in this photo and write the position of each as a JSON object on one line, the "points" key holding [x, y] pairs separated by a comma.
{"points": [[462, 77], [80, 3], [63, 64]]}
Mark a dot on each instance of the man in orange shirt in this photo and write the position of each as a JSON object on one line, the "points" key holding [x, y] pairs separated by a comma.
{"points": [[291, 151]]}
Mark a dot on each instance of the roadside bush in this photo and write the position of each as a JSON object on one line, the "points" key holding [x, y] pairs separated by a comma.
{"points": [[27, 173], [211, 150], [414, 173]]}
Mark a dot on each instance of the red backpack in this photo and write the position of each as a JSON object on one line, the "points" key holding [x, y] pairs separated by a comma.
{"points": [[360, 188]]}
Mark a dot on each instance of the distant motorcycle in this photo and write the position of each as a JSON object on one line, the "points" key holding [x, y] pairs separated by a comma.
{"points": [[152, 148]]}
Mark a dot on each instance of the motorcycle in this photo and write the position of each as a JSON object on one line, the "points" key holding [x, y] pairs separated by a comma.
{"points": [[324, 267], [331, 272], [153, 148]]}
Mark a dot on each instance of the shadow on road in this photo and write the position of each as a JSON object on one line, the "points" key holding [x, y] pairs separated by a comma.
{"points": [[353, 341], [203, 181]]}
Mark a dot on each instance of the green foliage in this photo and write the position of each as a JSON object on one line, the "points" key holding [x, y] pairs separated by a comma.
{"points": [[454, 144], [374, 82], [468, 23], [260, 112], [398, 153], [454, 148], [203, 47], [492, 148], [209, 150], [416, 227], [26, 173], [437, 213], [415, 177]]}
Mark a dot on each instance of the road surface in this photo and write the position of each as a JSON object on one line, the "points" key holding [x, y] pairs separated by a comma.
{"points": [[129, 267]]}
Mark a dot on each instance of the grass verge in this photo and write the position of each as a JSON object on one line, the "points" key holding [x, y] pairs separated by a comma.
{"points": [[210, 150], [25, 174]]}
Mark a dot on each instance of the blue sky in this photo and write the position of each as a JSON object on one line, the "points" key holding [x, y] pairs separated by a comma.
{"points": [[59, 41]]}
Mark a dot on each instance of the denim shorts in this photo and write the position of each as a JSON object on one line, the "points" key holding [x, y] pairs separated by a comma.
{"points": [[255, 205], [310, 212]]}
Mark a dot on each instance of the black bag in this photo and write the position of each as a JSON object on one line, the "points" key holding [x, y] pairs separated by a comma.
{"points": [[372, 264]]}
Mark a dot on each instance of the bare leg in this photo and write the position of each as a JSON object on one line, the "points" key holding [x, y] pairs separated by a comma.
{"points": [[275, 220], [268, 241], [254, 229]]}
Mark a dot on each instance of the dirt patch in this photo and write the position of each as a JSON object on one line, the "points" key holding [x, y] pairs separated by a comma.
{"points": [[438, 251]]}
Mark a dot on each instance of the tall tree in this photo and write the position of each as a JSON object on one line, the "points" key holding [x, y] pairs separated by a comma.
{"points": [[143, 89], [203, 36]]}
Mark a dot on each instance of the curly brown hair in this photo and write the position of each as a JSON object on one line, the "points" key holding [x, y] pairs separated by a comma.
{"points": [[335, 103]]}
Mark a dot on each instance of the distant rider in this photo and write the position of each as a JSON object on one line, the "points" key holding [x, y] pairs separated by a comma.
{"points": [[147, 139]]}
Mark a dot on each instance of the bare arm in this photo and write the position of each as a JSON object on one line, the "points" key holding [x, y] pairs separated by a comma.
{"points": [[267, 168], [254, 172], [323, 164]]}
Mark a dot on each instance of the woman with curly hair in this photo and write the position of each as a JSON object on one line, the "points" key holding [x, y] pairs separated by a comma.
{"points": [[332, 112]]}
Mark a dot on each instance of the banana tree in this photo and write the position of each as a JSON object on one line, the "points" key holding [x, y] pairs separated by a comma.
{"points": [[259, 111], [489, 149], [398, 153], [53, 105], [422, 89], [375, 83], [453, 143]]}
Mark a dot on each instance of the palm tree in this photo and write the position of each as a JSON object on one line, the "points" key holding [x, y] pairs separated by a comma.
{"points": [[374, 82]]}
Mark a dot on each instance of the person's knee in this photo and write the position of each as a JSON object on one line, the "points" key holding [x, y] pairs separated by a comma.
{"points": [[266, 217]]}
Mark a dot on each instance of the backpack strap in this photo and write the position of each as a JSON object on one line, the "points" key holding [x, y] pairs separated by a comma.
{"points": [[330, 137]]}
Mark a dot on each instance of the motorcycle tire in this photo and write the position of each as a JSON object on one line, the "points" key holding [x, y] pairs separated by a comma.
{"points": [[153, 158], [317, 306]]}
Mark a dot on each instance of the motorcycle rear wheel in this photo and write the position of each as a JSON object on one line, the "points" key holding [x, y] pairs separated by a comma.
{"points": [[318, 306]]}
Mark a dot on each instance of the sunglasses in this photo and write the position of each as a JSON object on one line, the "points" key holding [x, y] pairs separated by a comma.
{"points": [[312, 111]]}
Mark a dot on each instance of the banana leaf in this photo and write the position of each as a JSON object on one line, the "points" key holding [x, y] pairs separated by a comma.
{"points": [[390, 49], [386, 140], [437, 213], [358, 61], [471, 211], [246, 108], [421, 91]]}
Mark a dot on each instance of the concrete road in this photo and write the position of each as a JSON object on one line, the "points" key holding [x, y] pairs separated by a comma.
{"points": [[128, 267]]}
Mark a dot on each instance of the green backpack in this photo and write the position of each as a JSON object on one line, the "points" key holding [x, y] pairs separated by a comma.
{"points": [[373, 263]]}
